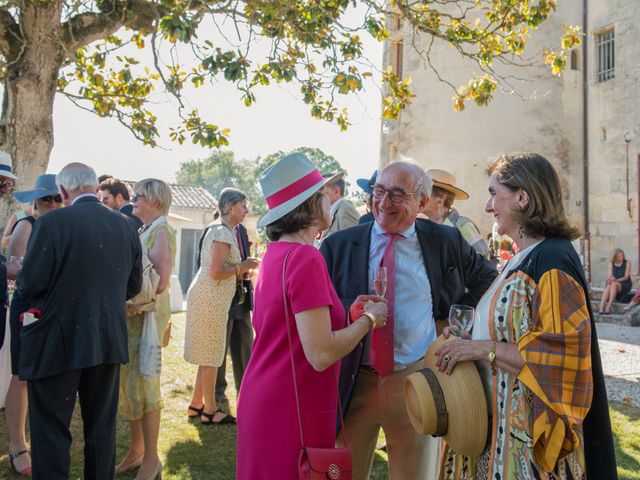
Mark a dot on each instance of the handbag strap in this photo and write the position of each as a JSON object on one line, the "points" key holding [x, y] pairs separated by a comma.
{"points": [[293, 368]]}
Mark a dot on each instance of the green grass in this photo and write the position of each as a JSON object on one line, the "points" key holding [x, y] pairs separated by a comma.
{"points": [[192, 451]]}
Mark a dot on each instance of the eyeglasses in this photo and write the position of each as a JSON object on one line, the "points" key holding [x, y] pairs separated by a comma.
{"points": [[396, 195], [138, 196], [51, 198]]}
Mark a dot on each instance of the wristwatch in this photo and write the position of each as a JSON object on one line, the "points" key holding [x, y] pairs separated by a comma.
{"points": [[491, 356]]}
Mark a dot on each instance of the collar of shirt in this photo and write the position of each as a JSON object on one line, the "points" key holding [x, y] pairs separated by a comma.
{"points": [[334, 207], [84, 195], [414, 328]]}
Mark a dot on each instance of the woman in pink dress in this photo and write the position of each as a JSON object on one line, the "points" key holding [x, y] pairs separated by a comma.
{"points": [[268, 431]]}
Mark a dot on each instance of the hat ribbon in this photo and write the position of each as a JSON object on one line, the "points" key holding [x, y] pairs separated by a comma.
{"points": [[6, 168], [438, 398], [294, 189]]}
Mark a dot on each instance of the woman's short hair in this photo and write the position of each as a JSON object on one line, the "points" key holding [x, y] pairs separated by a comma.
{"points": [[305, 215], [157, 192], [615, 252], [544, 216], [229, 196]]}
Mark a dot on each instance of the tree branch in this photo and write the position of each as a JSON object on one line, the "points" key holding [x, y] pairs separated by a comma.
{"points": [[10, 37], [84, 28]]}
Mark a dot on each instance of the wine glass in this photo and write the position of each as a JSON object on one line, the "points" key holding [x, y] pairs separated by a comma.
{"points": [[460, 319], [380, 281]]}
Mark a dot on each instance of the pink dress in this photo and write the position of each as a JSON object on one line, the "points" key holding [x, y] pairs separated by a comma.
{"points": [[268, 432]]}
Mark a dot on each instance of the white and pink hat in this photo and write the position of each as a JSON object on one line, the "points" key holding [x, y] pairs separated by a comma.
{"points": [[289, 183]]}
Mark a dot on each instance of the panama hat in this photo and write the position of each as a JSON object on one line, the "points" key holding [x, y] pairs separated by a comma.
{"points": [[453, 406], [5, 166], [288, 184], [446, 181], [45, 186], [366, 183]]}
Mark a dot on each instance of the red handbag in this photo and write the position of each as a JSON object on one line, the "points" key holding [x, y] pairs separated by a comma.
{"points": [[316, 463]]}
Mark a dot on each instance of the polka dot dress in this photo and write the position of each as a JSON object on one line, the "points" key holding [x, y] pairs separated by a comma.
{"points": [[208, 303]]}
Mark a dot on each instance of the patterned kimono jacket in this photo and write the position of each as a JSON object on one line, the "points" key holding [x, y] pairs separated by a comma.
{"points": [[551, 421]]}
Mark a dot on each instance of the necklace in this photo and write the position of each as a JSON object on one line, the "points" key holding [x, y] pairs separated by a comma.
{"points": [[302, 238]]}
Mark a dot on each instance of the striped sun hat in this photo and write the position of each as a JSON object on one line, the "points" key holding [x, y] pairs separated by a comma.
{"points": [[5, 166], [288, 184]]}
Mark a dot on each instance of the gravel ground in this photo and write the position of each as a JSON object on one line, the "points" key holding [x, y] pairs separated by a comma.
{"points": [[620, 352]]}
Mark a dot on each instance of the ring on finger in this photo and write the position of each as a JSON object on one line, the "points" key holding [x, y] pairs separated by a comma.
{"points": [[446, 359]]}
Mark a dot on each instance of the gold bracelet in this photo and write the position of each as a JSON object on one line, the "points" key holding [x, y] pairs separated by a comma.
{"points": [[237, 270], [371, 317]]}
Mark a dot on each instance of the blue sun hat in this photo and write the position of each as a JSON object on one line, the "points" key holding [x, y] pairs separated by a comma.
{"points": [[366, 183], [45, 186]]}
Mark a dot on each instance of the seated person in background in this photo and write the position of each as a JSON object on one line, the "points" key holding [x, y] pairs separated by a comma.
{"points": [[618, 281]]}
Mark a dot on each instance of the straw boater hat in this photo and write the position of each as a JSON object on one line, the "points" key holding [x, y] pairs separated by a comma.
{"points": [[5, 166], [288, 184], [446, 181], [450, 406], [45, 186]]}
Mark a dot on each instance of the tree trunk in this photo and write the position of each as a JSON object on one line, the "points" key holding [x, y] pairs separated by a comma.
{"points": [[30, 89]]}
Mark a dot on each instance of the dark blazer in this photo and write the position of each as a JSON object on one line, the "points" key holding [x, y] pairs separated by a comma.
{"points": [[244, 238], [128, 211], [82, 263], [457, 274]]}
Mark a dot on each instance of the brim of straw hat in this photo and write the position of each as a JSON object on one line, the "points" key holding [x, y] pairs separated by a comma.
{"points": [[27, 196], [458, 193], [465, 402], [281, 210]]}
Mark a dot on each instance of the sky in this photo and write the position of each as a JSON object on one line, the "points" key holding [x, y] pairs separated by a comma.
{"points": [[279, 120]]}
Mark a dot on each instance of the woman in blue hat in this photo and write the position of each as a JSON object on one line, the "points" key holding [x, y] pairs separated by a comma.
{"points": [[44, 197]]}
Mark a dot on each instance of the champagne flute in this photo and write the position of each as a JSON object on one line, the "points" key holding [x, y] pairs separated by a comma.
{"points": [[380, 281], [460, 319]]}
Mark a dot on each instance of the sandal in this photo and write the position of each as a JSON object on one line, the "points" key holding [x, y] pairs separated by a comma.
{"points": [[227, 419], [12, 457], [195, 409]]}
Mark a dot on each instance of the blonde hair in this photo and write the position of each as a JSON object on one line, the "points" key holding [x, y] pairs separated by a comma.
{"points": [[157, 192]]}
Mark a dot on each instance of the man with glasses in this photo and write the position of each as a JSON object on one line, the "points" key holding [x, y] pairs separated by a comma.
{"points": [[429, 267], [7, 269]]}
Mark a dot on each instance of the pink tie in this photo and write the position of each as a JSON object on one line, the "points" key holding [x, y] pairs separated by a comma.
{"points": [[382, 338]]}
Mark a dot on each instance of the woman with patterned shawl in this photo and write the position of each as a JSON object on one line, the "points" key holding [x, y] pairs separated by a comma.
{"points": [[535, 344]]}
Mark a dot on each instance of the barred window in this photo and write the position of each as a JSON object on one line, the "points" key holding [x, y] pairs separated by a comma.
{"points": [[605, 55]]}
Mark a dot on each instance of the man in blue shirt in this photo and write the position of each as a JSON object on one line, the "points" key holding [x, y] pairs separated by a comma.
{"points": [[434, 267]]}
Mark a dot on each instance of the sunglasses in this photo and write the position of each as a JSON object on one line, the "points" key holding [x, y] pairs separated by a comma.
{"points": [[138, 196], [4, 183], [51, 198]]}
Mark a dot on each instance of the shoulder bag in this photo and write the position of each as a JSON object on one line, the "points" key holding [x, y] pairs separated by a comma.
{"points": [[316, 463]]}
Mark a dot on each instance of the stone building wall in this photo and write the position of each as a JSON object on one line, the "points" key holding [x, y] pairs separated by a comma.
{"points": [[548, 120]]}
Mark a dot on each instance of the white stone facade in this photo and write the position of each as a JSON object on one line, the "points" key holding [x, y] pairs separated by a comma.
{"points": [[549, 121]]}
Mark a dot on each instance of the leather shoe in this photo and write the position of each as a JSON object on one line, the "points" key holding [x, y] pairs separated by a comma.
{"points": [[157, 474], [122, 468]]}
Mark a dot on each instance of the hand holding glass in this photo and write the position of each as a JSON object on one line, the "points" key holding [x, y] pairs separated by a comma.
{"points": [[461, 319], [380, 281]]}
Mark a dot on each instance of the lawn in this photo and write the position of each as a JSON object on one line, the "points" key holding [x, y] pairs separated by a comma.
{"points": [[193, 451]]}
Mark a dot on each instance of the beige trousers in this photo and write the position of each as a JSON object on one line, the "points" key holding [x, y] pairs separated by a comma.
{"points": [[378, 402]]}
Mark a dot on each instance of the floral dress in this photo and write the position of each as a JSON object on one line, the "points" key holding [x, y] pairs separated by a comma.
{"points": [[140, 394]]}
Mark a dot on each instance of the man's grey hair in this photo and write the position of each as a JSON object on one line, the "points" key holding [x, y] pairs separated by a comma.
{"points": [[77, 176], [424, 182]]}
